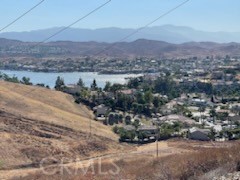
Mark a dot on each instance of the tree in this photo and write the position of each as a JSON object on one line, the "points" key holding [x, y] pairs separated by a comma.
{"points": [[126, 135], [13, 79], [120, 118], [156, 102], [166, 131], [80, 82], [26, 81], [201, 110], [177, 126], [213, 114], [110, 103], [140, 98], [111, 119], [167, 87], [212, 134], [116, 87], [148, 97], [94, 85], [128, 120], [107, 86], [59, 85], [115, 129], [147, 110], [136, 123], [140, 108], [133, 83], [142, 135], [135, 108]]}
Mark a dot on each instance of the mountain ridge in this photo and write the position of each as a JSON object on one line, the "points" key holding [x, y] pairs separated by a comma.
{"points": [[168, 33]]}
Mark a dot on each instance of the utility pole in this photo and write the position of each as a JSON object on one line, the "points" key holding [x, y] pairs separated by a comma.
{"points": [[90, 127], [157, 137]]}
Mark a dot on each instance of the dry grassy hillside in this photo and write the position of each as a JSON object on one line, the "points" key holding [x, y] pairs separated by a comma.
{"points": [[49, 106], [36, 123]]}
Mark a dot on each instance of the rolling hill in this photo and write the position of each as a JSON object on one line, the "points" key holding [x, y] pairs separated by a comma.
{"points": [[37, 123], [138, 48]]}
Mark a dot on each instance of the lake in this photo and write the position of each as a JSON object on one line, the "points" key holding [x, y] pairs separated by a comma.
{"points": [[70, 77]]}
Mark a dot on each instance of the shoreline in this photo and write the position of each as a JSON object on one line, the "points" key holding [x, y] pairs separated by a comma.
{"points": [[99, 73]]}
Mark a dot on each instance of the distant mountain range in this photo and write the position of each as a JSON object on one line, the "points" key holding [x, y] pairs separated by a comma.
{"points": [[167, 33], [138, 48]]}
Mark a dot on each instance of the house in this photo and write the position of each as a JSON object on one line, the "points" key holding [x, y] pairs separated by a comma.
{"points": [[198, 102], [235, 119], [97, 96], [177, 118], [101, 110], [129, 128], [199, 134], [109, 95], [128, 92], [72, 89], [149, 131]]}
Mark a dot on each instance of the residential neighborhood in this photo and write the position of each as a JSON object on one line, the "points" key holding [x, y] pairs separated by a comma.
{"points": [[186, 99]]}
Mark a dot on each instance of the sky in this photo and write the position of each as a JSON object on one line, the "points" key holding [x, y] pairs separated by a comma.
{"points": [[207, 15]]}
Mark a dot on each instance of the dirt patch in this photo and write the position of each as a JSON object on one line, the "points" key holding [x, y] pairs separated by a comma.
{"points": [[91, 146]]}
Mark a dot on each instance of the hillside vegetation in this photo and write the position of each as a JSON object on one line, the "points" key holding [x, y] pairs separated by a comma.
{"points": [[36, 123]]}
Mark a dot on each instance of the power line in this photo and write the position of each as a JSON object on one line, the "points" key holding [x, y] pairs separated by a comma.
{"points": [[143, 27], [126, 37], [65, 28], [20, 17], [75, 22]]}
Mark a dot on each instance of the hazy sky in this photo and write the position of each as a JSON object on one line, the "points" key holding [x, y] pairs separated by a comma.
{"points": [[210, 15]]}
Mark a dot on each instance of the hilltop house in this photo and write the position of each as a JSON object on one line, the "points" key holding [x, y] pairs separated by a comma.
{"points": [[199, 134], [100, 111]]}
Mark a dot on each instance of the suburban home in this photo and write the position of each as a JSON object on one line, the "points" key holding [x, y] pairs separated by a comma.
{"points": [[177, 118], [109, 95], [199, 134], [101, 110], [129, 128], [235, 119], [198, 102], [97, 96], [128, 92], [150, 132], [72, 89]]}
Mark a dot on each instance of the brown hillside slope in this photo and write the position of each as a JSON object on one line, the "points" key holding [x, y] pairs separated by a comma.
{"points": [[50, 106], [36, 123]]}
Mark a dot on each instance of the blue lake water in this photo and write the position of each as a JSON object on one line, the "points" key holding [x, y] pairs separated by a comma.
{"points": [[70, 77]]}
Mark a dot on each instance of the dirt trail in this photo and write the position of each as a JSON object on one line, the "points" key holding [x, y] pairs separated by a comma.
{"points": [[148, 150]]}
